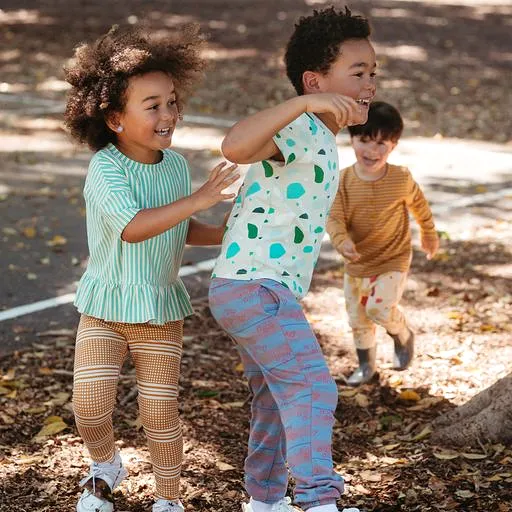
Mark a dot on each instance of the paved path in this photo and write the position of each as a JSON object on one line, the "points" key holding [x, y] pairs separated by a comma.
{"points": [[468, 183]]}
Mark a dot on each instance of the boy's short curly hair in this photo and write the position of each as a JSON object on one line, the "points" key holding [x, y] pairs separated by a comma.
{"points": [[100, 74], [315, 43], [384, 122]]}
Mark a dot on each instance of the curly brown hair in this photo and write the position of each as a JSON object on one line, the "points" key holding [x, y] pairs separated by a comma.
{"points": [[100, 74], [315, 43]]}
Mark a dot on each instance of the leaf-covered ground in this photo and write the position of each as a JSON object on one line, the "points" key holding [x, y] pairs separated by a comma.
{"points": [[460, 306]]}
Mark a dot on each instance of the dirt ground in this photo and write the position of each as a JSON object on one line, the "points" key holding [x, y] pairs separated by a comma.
{"points": [[460, 306], [446, 65]]}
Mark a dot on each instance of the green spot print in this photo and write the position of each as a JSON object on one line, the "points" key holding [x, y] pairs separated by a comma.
{"points": [[290, 159], [276, 251], [319, 174], [251, 253], [290, 143], [255, 187], [319, 229], [259, 210], [321, 152], [233, 250], [313, 127], [271, 210], [241, 271], [284, 284], [299, 235], [269, 171], [304, 216], [285, 273], [252, 231], [294, 191], [238, 199], [308, 249]]}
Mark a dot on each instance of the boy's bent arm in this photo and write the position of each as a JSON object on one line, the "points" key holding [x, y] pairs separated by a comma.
{"points": [[200, 233], [420, 208], [336, 227], [250, 140]]}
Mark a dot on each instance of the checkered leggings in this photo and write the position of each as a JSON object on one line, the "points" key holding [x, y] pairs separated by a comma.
{"points": [[101, 348]]}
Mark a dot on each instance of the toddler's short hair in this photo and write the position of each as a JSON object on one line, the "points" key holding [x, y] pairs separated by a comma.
{"points": [[100, 73], [315, 43], [384, 121]]}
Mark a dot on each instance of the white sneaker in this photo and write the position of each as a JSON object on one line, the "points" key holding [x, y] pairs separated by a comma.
{"points": [[351, 509], [102, 479], [168, 506], [283, 505]]}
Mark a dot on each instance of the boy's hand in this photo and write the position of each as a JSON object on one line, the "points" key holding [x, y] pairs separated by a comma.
{"points": [[345, 110], [430, 245], [211, 192], [349, 251]]}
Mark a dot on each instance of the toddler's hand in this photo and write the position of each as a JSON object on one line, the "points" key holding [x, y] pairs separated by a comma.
{"points": [[430, 245], [345, 109], [349, 251], [211, 192]]}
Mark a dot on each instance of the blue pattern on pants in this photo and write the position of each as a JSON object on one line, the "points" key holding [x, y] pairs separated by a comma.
{"points": [[294, 395]]}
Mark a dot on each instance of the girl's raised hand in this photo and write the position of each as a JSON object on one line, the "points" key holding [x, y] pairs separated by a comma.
{"points": [[211, 192], [345, 109]]}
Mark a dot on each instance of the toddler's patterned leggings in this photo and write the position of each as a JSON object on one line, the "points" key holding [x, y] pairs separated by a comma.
{"points": [[294, 395], [374, 300], [156, 352]]}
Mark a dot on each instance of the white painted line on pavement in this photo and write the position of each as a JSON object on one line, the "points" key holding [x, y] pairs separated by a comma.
{"points": [[207, 265], [8, 314], [36, 306]]}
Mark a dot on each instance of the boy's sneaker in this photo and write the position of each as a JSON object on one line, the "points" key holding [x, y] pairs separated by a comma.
{"points": [[283, 505], [168, 506], [404, 350], [103, 478]]}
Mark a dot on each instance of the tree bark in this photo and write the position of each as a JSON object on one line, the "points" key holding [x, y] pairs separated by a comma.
{"points": [[487, 417]]}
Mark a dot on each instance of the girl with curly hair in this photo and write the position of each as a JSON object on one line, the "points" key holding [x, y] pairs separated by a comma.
{"points": [[127, 95]]}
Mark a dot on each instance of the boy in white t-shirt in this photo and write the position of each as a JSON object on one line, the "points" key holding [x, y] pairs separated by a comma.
{"points": [[269, 251]]}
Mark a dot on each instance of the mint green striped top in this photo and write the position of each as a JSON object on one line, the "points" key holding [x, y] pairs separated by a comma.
{"points": [[133, 282]]}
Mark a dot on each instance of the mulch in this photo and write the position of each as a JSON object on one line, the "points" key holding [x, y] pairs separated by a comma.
{"points": [[461, 313]]}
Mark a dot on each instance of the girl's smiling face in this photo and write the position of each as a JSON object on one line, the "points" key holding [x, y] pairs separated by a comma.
{"points": [[146, 125]]}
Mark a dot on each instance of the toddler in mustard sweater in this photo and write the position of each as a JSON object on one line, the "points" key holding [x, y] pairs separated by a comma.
{"points": [[369, 225]]}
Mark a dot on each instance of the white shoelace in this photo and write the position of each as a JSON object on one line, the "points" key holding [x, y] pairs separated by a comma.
{"points": [[100, 470], [283, 505], [167, 506]]}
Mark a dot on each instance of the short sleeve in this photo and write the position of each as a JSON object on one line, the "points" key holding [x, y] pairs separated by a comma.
{"points": [[294, 140], [107, 188]]}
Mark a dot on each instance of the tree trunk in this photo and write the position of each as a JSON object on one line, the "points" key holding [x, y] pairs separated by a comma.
{"points": [[487, 417]]}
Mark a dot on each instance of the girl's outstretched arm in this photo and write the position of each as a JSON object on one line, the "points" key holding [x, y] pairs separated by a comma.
{"points": [[155, 221]]}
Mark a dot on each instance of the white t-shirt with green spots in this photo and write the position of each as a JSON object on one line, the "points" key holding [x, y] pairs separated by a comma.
{"points": [[278, 220]]}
